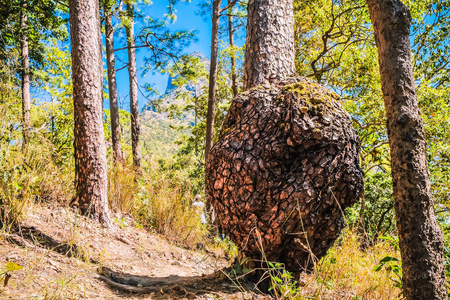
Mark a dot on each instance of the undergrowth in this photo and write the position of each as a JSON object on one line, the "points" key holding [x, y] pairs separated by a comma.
{"points": [[346, 272], [32, 175], [158, 201], [349, 270]]}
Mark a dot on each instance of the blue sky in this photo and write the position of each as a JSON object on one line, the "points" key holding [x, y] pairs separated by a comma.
{"points": [[187, 19]]}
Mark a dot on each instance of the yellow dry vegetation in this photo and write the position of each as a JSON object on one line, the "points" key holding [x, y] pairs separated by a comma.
{"points": [[348, 272], [158, 201]]}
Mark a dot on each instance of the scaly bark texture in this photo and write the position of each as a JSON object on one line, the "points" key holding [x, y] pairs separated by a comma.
{"points": [[112, 84], [233, 57], [284, 169], [90, 150], [134, 106], [269, 53], [210, 116], [421, 240], [26, 97]]}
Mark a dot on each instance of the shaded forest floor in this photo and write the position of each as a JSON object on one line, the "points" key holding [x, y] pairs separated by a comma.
{"points": [[63, 255]]}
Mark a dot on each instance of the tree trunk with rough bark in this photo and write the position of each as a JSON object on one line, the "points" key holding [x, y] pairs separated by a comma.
{"points": [[112, 84], [212, 78], [286, 164], [269, 53], [233, 57], [421, 240], [132, 72], [90, 150], [26, 97], [284, 169]]}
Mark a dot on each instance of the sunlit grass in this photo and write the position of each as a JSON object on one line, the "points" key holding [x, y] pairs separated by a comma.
{"points": [[346, 272], [29, 176], [158, 201]]}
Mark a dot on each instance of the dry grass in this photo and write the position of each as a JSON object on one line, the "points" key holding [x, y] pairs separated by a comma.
{"points": [[122, 188], [31, 176], [350, 269], [158, 201], [346, 272]]}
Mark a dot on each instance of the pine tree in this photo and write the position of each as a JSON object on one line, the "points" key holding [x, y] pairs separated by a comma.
{"points": [[270, 54], [89, 146], [212, 78], [285, 165], [132, 72], [420, 238], [112, 84], [26, 97]]}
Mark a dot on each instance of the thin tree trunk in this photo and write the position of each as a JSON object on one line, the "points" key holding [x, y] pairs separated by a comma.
{"points": [[269, 53], [112, 85], [53, 117], [100, 44], [212, 78], [195, 119], [421, 240], [90, 150], [26, 97], [233, 56], [134, 106], [364, 241]]}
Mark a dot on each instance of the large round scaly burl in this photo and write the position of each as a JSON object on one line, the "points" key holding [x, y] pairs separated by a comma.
{"points": [[284, 169]]}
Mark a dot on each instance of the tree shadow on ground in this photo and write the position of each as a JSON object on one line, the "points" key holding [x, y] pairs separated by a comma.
{"points": [[216, 285], [32, 237], [174, 286]]}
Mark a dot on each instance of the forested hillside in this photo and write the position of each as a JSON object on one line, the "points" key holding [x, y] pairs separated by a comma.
{"points": [[282, 149]]}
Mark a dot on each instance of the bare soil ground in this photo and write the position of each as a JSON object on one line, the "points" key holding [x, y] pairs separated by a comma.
{"points": [[67, 256]]}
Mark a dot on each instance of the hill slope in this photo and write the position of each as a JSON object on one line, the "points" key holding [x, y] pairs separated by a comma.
{"points": [[158, 129], [63, 254]]}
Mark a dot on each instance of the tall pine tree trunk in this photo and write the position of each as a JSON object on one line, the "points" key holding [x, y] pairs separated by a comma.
{"points": [[270, 53], [212, 78], [233, 56], [90, 150], [26, 97], [421, 240], [134, 106], [112, 85]]}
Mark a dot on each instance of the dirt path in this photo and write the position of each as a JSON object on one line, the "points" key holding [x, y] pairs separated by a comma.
{"points": [[67, 256]]}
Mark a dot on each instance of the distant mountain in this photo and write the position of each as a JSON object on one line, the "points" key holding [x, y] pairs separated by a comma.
{"points": [[157, 129], [172, 88]]}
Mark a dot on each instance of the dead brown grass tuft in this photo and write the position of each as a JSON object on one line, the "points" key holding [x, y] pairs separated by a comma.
{"points": [[158, 201], [346, 272]]}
